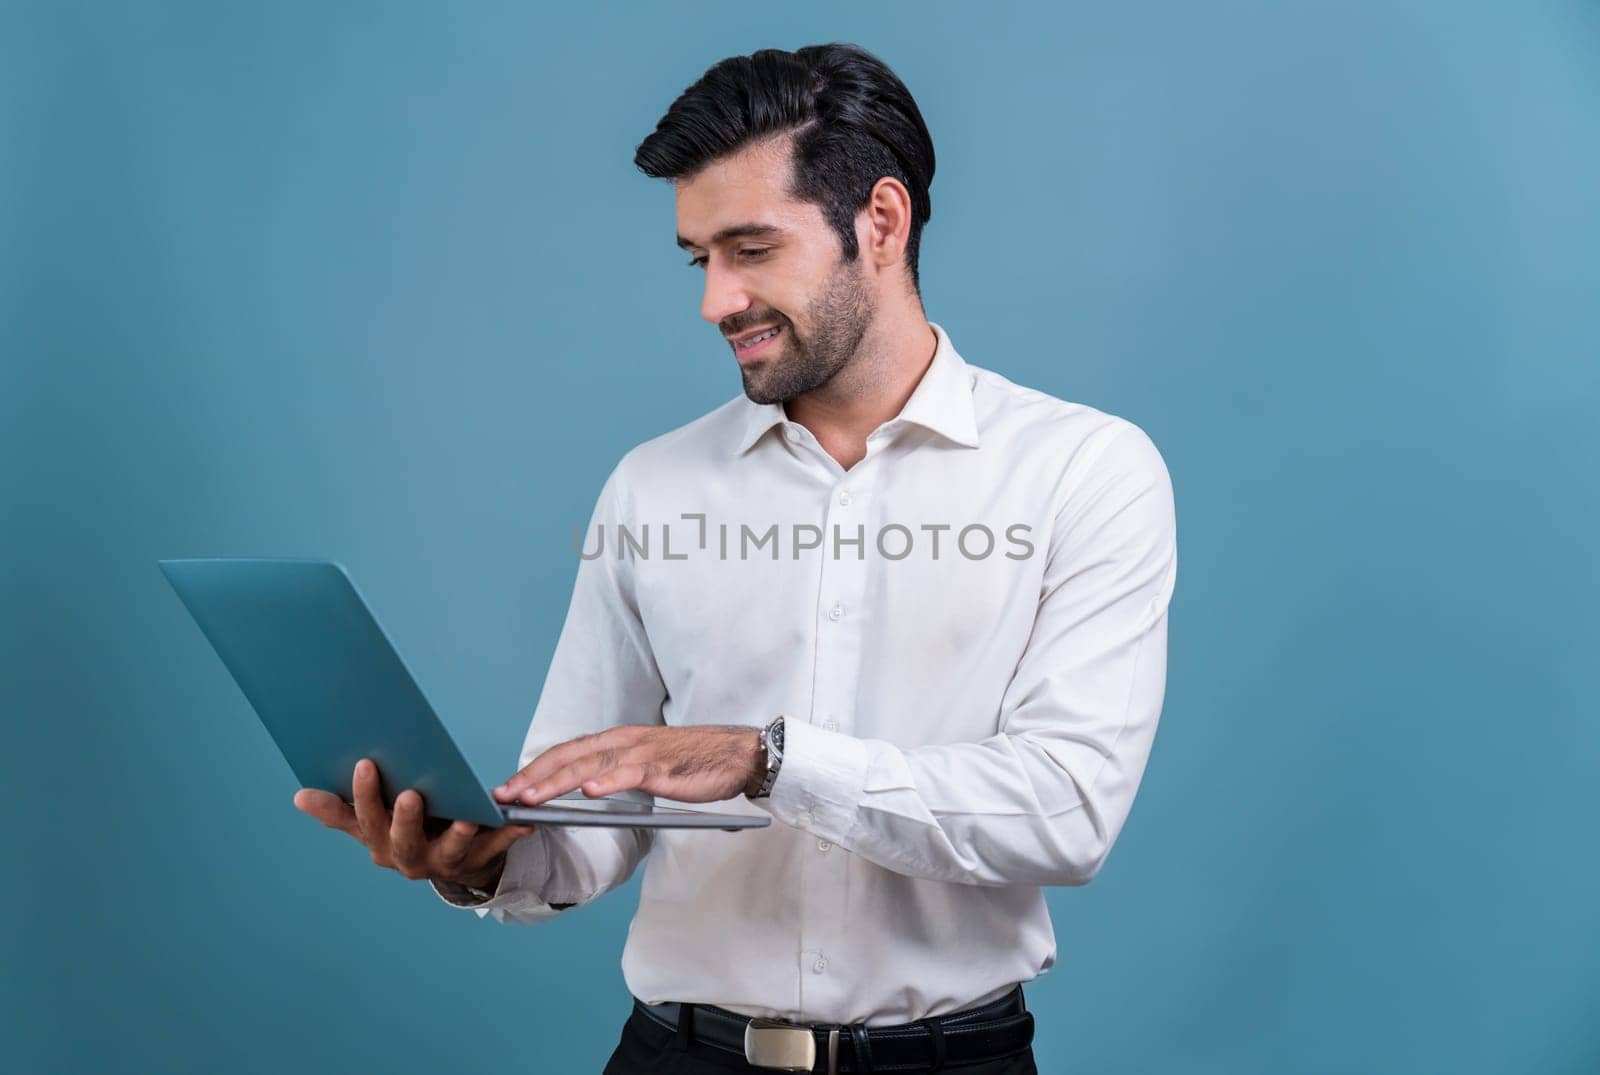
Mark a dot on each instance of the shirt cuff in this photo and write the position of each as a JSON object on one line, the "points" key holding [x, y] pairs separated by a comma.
{"points": [[526, 873], [820, 783]]}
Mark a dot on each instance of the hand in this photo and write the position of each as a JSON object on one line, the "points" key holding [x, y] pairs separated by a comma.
{"points": [[698, 764], [456, 852]]}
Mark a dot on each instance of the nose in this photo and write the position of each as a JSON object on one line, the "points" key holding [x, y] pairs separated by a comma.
{"points": [[724, 296]]}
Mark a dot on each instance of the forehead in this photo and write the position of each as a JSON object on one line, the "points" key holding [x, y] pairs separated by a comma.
{"points": [[750, 186]]}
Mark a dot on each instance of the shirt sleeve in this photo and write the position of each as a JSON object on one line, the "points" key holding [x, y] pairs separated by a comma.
{"points": [[1042, 801], [603, 673]]}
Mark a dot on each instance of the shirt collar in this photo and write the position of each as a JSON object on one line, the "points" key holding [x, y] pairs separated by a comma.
{"points": [[941, 402]]}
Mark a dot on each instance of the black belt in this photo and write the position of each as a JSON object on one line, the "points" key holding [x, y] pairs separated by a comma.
{"points": [[994, 1030]]}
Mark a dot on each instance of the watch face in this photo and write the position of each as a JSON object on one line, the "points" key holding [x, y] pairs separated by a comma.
{"points": [[777, 736]]}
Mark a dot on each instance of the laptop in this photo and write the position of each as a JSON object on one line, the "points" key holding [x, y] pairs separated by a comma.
{"points": [[321, 673]]}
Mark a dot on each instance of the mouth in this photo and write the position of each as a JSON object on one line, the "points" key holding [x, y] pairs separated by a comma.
{"points": [[757, 344]]}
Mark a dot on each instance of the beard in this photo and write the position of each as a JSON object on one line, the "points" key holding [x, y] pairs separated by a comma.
{"points": [[840, 316]]}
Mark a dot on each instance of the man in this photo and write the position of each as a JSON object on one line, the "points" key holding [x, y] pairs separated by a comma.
{"points": [[914, 611]]}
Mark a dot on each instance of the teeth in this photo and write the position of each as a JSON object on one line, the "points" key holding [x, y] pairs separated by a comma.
{"points": [[771, 332]]}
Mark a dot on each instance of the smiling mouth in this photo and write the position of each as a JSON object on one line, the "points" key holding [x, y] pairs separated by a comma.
{"points": [[758, 339]]}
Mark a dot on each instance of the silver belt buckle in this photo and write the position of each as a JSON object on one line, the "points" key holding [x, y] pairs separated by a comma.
{"points": [[772, 1043]]}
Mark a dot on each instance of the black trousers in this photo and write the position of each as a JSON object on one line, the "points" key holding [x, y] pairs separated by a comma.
{"points": [[648, 1048]]}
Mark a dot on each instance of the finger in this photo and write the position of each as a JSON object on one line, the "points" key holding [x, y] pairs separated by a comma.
{"points": [[571, 776], [371, 814], [556, 757], [329, 809], [562, 755], [492, 843], [622, 778], [407, 844], [449, 849]]}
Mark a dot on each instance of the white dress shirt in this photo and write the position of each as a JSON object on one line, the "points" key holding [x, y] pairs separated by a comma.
{"points": [[967, 719]]}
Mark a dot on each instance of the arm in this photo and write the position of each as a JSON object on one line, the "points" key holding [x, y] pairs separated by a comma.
{"points": [[1041, 802], [602, 674]]}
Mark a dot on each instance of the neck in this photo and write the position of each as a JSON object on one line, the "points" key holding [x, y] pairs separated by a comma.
{"points": [[872, 389]]}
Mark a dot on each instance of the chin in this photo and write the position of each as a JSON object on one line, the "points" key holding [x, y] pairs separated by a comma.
{"points": [[757, 395], [760, 391]]}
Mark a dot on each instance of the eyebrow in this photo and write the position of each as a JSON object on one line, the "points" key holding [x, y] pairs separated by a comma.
{"points": [[739, 231]]}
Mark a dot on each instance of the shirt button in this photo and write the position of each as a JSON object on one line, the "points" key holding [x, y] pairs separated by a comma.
{"points": [[823, 845], [836, 612], [844, 498], [820, 965], [830, 725]]}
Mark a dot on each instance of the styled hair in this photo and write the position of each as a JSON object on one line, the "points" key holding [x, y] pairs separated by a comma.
{"points": [[854, 122]]}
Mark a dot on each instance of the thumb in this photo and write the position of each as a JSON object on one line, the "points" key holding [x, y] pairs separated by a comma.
{"points": [[498, 840]]}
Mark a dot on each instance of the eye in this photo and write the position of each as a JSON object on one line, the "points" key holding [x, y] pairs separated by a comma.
{"points": [[749, 253]]}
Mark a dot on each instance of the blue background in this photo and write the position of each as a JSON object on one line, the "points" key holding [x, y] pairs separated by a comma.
{"points": [[380, 283]]}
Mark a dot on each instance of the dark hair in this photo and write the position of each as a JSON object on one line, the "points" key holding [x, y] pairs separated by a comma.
{"points": [[855, 123]]}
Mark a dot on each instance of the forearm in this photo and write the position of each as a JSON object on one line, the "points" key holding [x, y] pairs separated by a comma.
{"points": [[1020, 809]]}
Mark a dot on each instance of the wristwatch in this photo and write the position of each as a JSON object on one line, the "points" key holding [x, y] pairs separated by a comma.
{"points": [[772, 750]]}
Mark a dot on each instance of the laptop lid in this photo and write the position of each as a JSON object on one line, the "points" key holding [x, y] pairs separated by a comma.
{"points": [[325, 679]]}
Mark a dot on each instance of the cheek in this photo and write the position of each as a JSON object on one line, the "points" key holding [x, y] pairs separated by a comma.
{"points": [[790, 302], [790, 288], [778, 300]]}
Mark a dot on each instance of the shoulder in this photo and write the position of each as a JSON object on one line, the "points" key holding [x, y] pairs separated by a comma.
{"points": [[685, 453], [1075, 442]]}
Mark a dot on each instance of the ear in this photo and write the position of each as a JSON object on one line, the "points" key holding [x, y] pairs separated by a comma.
{"points": [[884, 224]]}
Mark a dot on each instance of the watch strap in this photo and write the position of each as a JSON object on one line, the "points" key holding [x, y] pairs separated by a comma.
{"points": [[772, 740]]}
